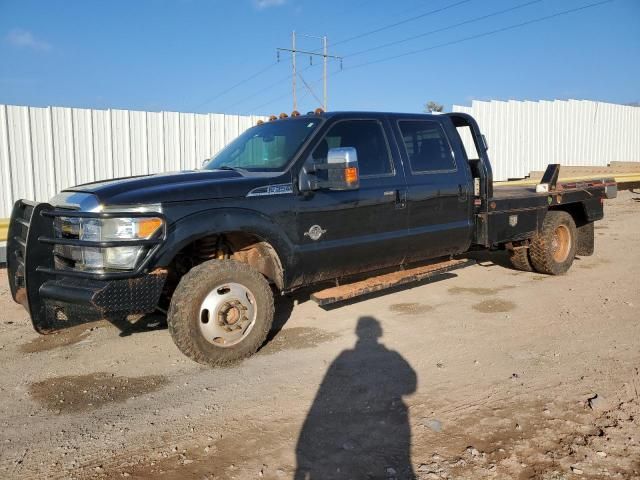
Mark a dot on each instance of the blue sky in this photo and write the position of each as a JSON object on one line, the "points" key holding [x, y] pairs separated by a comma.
{"points": [[180, 55]]}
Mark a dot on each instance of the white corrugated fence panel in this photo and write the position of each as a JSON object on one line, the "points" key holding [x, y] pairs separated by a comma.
{"points": [[102, 146], [6, 196], [527, 136], [138, 160], [42, 153], [63, 148], [121, 146], [44, 150], [172, 141], [155, 142], [83, 145], [20, 158]]}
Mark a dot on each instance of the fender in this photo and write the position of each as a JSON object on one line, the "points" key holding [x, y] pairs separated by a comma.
{"points": [[208, 222]]}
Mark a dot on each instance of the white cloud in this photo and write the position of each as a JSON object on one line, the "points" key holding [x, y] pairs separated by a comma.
{"points": [[262, 4], [22, 38]]}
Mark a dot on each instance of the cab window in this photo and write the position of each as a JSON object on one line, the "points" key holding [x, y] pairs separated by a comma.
{"points": [[427, 146], [367, 137]]}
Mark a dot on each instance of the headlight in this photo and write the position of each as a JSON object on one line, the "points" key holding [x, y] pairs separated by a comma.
{"points": [[105, 230]]}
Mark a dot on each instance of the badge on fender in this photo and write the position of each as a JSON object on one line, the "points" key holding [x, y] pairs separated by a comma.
{"points": [[315, 232]]}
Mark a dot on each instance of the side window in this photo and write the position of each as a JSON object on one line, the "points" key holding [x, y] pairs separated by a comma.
{"points": [[426, 145], [367, 137]]}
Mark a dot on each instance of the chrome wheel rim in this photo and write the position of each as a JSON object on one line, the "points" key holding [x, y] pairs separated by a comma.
{"points": [[227, 314]]}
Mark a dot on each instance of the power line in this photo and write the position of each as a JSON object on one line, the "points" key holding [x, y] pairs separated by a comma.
{"points": [[480, 35], [279, 97], [309, 88], [400, 22], [268, 67], [241, 82], [449, 27], [264, 89], [358, 5], [453, 42]]}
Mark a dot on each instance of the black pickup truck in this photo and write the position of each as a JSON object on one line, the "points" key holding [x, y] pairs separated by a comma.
{"points": [[365, 200]]}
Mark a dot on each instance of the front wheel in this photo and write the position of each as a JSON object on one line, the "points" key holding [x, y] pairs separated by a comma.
{"points": [[221, 312], [552, 251]]}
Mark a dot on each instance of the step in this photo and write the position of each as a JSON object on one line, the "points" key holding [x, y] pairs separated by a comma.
{"points": [[386, 281]]}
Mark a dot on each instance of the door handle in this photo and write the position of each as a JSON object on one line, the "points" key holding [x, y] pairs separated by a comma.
{"points": [[401, 199], [462, 193]]}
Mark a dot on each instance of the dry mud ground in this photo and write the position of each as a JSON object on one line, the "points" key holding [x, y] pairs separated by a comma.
{"points": [[485, 374]]}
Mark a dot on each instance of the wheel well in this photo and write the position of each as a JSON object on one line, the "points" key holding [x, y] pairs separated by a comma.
{"points": [[240, 246], [576, 210]]}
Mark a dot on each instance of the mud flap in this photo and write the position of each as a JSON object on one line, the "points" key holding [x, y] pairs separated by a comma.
{"points": [[586, 240]]}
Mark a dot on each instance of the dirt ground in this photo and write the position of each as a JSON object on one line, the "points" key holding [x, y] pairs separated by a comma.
{"points": [[489, 373]]}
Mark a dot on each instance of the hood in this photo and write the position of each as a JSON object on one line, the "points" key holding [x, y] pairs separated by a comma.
{"points": [[171, 187]]}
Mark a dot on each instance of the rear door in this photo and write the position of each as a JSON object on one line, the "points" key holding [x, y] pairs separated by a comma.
{"points": [[359, 230], [439, 195]]}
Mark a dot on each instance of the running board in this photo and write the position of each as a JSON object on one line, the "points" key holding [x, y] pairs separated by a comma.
{"points": [[386, 281]]}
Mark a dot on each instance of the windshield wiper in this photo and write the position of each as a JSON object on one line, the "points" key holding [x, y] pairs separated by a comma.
{"points": [[241, 171]]}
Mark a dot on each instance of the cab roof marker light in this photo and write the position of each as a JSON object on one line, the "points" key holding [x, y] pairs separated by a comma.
{"points": [[272, 118], [259, 122], [295, 113], [283, 115], [318, 111]]}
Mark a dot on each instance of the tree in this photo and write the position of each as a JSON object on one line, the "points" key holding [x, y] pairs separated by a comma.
{"points": [[432, 106]]}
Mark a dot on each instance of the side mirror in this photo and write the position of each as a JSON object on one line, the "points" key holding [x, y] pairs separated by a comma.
{"points": [[342, 171]]}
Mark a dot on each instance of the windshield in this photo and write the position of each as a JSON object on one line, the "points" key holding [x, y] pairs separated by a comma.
{"points": [[267, 147]]}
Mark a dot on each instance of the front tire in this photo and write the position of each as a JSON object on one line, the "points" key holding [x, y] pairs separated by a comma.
{"points": [[221, 312], [552, 251]]}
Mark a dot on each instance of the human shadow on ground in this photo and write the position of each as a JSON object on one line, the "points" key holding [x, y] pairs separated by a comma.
{"points": [[358, 425]]}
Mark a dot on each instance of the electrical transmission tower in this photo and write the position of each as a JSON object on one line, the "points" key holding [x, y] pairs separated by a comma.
{"points": [[325, 57]]}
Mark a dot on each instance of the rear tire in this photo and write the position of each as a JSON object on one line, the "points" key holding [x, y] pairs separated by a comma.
{"points": [[519, 258], [552, 251], [221, 312]]}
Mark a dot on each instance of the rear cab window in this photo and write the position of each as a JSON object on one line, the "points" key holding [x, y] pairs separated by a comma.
{"points": [[426, 146]]}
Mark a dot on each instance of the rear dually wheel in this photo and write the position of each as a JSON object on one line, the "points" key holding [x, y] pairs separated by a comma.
{"points": [[552, 251]]}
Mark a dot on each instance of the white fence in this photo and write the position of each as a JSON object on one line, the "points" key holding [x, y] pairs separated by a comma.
{"points": [[43, 150], [526, 136]]}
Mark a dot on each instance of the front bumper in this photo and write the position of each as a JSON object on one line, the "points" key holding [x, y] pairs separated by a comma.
{"points": [[58, 298]]}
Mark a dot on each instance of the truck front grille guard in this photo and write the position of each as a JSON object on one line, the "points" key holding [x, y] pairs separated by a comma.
{"points": [[153, 242], [30, 259]]}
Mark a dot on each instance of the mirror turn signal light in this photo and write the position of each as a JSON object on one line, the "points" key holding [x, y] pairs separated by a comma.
{"points": [[351, 175]]}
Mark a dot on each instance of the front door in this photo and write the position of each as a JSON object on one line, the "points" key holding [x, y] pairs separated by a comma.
{"points": [[346, 232], [438, 197]]}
